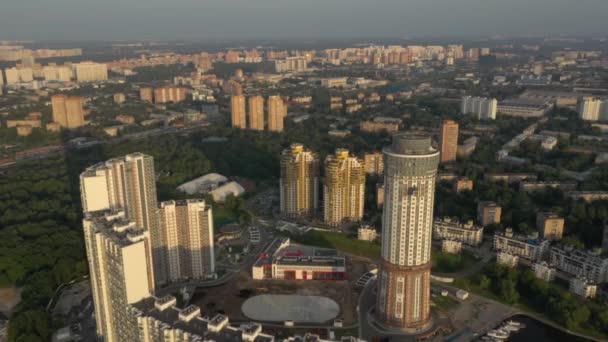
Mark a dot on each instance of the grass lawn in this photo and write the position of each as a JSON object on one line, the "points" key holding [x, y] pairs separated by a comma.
{"points": [[444, 302], [339, 241], [451, 263]]}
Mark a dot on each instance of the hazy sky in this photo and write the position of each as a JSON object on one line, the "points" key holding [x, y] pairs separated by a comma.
{"points": [[201, 19]]}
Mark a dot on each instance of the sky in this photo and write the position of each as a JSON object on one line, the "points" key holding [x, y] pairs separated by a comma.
{"points": [[284, 19]]}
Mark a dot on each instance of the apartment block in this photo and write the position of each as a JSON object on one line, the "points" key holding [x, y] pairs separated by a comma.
{"points": [[299, 183], [344, 188]]}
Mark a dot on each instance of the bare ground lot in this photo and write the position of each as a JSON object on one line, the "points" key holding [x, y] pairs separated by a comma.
{"points": [[9, 298], [229, 298]]}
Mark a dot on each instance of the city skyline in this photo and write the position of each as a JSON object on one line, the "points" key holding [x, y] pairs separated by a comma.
{"points": [[313, 19]]}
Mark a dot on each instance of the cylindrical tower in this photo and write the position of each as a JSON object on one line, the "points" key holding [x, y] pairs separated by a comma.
{"points": [[404, 278]]}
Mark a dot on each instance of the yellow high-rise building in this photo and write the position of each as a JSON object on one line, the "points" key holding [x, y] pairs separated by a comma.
{"points": [[299, 188], [277, 110], [256, 113], [344, 188], [448, 141], [237, 111]]}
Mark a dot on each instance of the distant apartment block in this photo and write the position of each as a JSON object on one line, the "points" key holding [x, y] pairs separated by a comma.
{"points": [[506, 259], [579, 263], [531, 186], [463, 184], [169, 94], [256, 113], [550, 226], [480, 107], [488, 213], [451, 246], [448, 228], [68, 111], [367, 233], [542, 270], [524, 108], [146, 94], [519, 245], [510, 178], [374, 163], [277, 110], [448, 141], [293, 64], [380, 195], [380, 124], [582, 287], [238, 113], [57, 73], [91, 71], [18, 75], [593, 109]]}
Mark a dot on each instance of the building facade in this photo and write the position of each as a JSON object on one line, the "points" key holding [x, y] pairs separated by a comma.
{"points": [[91, 72], [344, 188], [374, 163], [238, 112], [467, 233], [127, 183], [448, 141], [187, 235], [481, 107], [403, 299], [519, 245], [488, 213], [68, 111], [120, 271], [299, 183], [256, 113], [550, 226], [277, 110]]}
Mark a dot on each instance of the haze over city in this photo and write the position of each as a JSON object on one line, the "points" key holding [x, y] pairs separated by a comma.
{"points": [[303, 170], [268, 19]]}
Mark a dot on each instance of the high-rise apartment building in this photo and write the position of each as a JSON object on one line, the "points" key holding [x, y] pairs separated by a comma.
{"points": [[374, 163], [483, 108], [57, 73], [168, 94], [120, 271], [277, 110], [448, 141], [299, 188], [146, 94], [187, 237], [91, 71], [18, 75], [256, 113], [127, 183], [407, 224], [593, 109], [238, 113], [344, 188], [68, 111]]}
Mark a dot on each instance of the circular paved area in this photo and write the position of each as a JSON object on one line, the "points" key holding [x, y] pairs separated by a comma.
{"points": [[300, 309]]}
